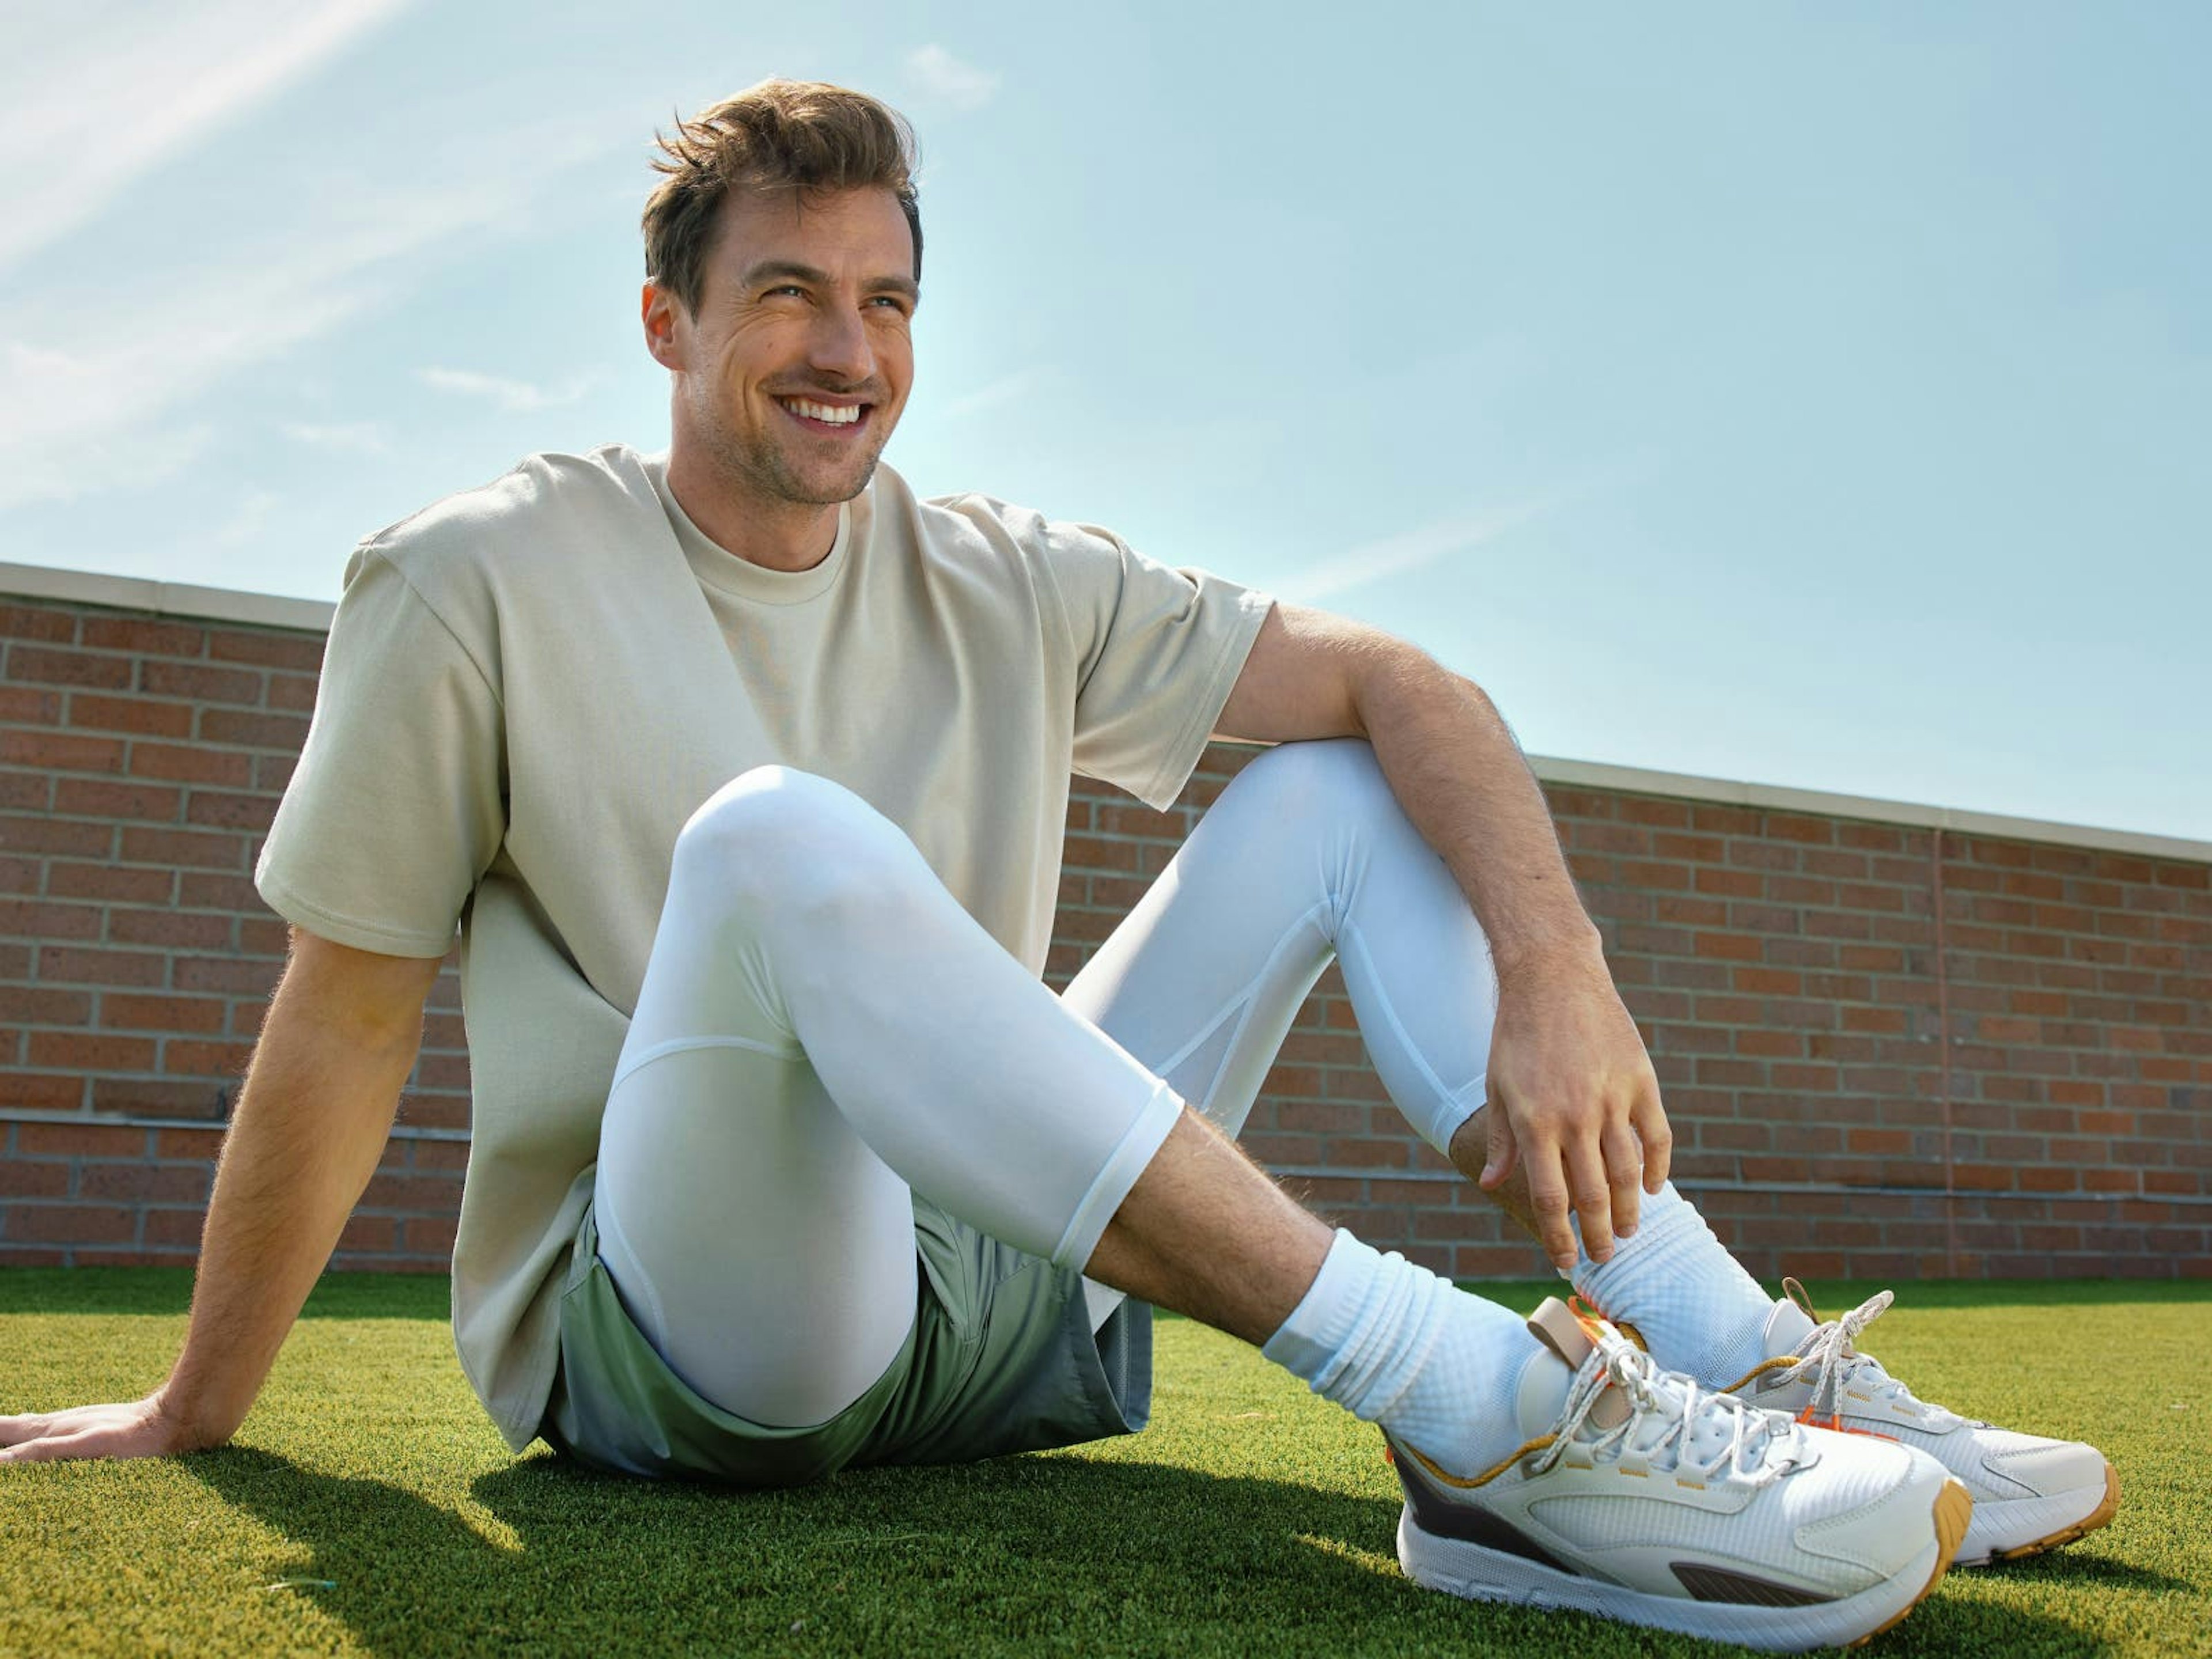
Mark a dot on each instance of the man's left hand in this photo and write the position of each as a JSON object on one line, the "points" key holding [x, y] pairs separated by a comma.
{"points": [[1574, 1106]]}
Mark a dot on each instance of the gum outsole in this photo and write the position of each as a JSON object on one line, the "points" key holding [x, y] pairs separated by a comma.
{"points": [[2106, 1508], [1954, 1512]]}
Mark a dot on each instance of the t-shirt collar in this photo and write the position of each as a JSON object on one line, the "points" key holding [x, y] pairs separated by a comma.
{"points": [[724, 571]]}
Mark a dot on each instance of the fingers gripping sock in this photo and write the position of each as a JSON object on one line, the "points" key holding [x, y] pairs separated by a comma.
{"points": [[1695, 1308], [1395, 1345]]}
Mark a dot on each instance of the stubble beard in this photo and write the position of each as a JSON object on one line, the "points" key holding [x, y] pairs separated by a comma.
{"points": [[757, 466]]}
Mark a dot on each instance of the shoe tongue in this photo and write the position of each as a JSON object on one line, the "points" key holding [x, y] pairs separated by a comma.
{"points": [[1713, 1433], [1541, 1394], [1787, 1328], [1545, 1380]]}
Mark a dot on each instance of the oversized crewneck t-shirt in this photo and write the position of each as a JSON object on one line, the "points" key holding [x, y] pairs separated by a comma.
{"points": [[530, 686]]}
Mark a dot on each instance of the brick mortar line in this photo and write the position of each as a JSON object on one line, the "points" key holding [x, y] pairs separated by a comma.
{"points": [[67, 727], [182, 785], [1442, 1178], [209, 745], [161, 823], [134, 654], [1737, 931], [87, 1121], [162, 1034], [1303, 1172], [144, 1205]]}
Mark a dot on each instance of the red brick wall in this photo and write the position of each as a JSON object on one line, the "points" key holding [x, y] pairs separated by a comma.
{"points": [[140, 762], [1785, 970], [2022, 1088]]}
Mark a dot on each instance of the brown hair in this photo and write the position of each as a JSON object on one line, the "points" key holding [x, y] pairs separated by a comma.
{"points": [[806, 136]]}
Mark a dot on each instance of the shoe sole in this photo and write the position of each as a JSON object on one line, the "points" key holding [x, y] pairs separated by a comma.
{"points": [[2107, 1506], [1477, 1574], [1954, 1513]]}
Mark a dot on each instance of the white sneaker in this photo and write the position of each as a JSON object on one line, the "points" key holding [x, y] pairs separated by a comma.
{"points": [[1640, 1496], [2030, 1494]]}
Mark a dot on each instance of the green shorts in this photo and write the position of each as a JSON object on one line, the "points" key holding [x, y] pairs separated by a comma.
{"points": [[1001, 1358]]}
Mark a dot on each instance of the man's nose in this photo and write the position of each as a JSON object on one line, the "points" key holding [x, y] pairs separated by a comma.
{"points": [[839, 345]]}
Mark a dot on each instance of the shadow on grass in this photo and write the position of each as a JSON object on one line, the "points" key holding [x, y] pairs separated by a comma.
{"points": [[1021, 1555], [2083, 1567]]}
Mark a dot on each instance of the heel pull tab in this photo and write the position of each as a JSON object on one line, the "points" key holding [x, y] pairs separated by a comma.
{"points": [[1557, 1326], [1567, 1335]]}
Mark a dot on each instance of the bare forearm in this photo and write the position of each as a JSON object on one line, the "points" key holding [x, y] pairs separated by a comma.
{"points": [[1458, 774], [1575, 1109], [316, 1110], [311, 1122]]}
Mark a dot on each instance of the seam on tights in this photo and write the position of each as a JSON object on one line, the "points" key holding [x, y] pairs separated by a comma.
{"points": [[1351, 943], [685, 1045], [1201, 1099], [1229, 1011], [1242, 1001]]}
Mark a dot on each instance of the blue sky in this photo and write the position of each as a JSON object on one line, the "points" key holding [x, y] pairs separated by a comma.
{"points": [[1813, 395]]}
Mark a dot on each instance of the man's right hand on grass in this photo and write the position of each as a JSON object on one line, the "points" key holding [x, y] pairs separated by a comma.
{"points": [[338, 1043], [138, 1428]]}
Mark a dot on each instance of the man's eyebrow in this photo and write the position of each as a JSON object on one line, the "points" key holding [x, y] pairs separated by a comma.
{"points": [[773, 271]]}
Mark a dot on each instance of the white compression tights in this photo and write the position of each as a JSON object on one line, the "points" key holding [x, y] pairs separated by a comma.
{"points": [[823, 1031]]}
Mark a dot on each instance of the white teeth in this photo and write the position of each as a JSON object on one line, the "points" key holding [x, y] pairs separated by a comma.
{"points": [[822, 411]]}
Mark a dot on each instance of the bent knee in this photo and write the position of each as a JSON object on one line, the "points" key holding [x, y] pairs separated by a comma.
{"points": [[1323, 780], [766, 802], [776, 836]]}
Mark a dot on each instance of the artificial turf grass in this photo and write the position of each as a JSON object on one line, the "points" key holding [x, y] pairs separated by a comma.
{"points": [[1249, 1519]]}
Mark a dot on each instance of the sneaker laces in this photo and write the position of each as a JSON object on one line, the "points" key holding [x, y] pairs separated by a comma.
{"points": [[1703, 1430], [1831, 1359]]}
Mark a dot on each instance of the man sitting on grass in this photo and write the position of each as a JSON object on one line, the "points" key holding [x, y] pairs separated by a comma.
{"points": [[814, 1171]]}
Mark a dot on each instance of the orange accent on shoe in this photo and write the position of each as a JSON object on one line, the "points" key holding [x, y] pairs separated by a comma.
{"points": [[1782, 1362], [1836, 1425], [1585, 1310], [1587, 1315], [1488, 1475]]}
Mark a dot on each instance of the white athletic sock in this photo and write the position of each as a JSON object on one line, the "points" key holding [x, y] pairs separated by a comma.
{"points": [[1395, 1345], [1695, 1307]]}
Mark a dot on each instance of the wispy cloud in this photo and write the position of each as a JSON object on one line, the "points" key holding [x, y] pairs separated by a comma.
{"points": [[255, 508], [90, 105], [1006, 389], [98, 376], [934, 70], [1410, 550], [343, 438], [510, 397], [67, 463]]}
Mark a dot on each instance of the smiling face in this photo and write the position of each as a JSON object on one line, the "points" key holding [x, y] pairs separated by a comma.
{"points": [[792, 372]]}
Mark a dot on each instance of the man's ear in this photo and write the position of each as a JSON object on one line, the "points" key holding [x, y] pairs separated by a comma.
{"points": [[661, 312]]}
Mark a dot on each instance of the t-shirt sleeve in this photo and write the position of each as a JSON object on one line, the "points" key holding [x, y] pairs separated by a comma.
{"points": [[1158, 652], [395, 809]]}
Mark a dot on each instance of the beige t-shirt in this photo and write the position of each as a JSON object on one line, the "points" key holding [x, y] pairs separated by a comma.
{"points": [[530, 686]]}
